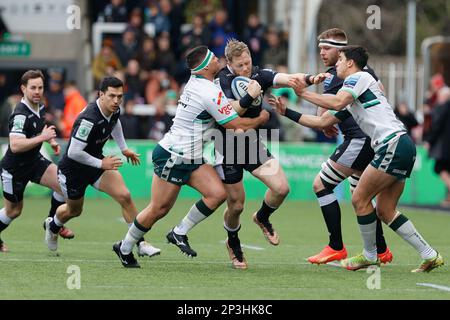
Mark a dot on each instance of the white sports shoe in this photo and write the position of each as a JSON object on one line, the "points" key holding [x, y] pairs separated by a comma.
{"points": [[51, 239], [146, 249]]}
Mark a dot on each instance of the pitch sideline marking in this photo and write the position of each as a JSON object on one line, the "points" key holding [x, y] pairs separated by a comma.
{"points": [[434, 286]]}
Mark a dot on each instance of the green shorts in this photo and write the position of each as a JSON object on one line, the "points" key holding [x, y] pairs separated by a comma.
{"points": [[396, 156], [173, 168]]}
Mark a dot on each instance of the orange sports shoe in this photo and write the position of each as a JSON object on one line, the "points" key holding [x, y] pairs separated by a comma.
{"points": [[66, 233], [268, 231], [238, 263], [385, 257], [328, 254]]}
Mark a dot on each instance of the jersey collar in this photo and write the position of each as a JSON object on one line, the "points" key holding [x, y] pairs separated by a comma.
{"points": [[24, 101], [100, 109]]}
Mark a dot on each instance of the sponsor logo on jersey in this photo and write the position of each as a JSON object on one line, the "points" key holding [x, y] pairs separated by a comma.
{"points": [[84, 129], [351, 81], [226, 110], [219, 99], [19, 123]]}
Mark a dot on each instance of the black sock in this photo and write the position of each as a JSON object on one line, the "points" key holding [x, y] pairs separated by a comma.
{"points": [[54, 228], [233, 238], [332, 215], [54, 205], [3, 226], [264, 212], [381, 242], [139, 241]]}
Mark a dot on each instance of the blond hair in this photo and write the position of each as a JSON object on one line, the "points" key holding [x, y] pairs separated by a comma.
{"points": [[235, 48], [334, 33]]}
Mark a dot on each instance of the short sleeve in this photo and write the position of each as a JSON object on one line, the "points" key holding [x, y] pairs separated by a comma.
{"points": [[266, 78], [18, 124], [342, 115], [356, 84], [218, 106], [82, 130]]}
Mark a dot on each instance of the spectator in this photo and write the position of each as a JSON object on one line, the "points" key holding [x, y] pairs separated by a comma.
{"points": [[3, 29], [136, 22], [6, 109], [127, 48], [147, 55], [75, 103], [438, 142], [161, 122], [407, 117], [114, 12], [276, 53], [154, 15], [254, 37], [437, 83], [105, 62], [198, 35], [159, 83], [134, 87], [166, 58], [221, 32], [130, 122]]}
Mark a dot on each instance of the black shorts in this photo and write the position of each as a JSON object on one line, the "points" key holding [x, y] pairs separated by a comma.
{"points": [[16, 178], [231, 171], [441, 165], [354, 153], [74, 181]]}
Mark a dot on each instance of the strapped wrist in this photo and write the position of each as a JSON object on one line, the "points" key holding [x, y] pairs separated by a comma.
{"points": [[308, 80], [246, 101], [293, 115]]}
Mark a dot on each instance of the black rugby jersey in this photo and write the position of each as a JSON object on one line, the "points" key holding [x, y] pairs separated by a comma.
{"points": [[348, 127], [29, 123], [93, 128], [263, 76]]}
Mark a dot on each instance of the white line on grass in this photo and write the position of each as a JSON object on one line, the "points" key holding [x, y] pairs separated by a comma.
{"points": [[435, 286], [247, 246]]}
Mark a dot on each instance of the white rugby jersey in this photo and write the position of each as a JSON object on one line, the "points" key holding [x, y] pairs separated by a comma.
{"points": [[371, 110], [201, 105]]}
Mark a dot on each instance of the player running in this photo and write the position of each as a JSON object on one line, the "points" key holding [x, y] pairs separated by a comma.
{"points": [[178, 158], [348, 161], [23, 161], [83, 164], [395, 154]]}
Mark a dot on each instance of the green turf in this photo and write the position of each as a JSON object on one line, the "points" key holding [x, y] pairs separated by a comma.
{"points": [[28, 272]]}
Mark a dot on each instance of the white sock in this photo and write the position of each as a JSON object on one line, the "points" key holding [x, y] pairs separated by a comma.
{"points": [[4, 218], [133, 235], [368, 228], [193, 218], [409, 233], [58, 197], [57, 221]]}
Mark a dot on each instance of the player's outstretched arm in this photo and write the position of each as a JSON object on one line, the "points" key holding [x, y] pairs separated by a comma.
{"points": [[331, 102], [315, 122]]}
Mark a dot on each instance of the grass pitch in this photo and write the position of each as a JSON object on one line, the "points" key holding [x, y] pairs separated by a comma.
{"points": [[282, 272]]}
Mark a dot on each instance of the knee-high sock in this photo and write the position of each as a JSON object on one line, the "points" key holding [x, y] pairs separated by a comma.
{"points": [[196, 214]]}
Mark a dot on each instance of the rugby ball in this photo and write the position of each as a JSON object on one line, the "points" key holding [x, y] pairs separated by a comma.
{"points": [[239, 87]]}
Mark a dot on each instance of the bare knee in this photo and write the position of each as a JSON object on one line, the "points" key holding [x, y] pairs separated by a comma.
{"points": [[359, 203], [281, 190], [235, 207], [124, 198], [317, 184], [14, 212], [216, 198]]}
